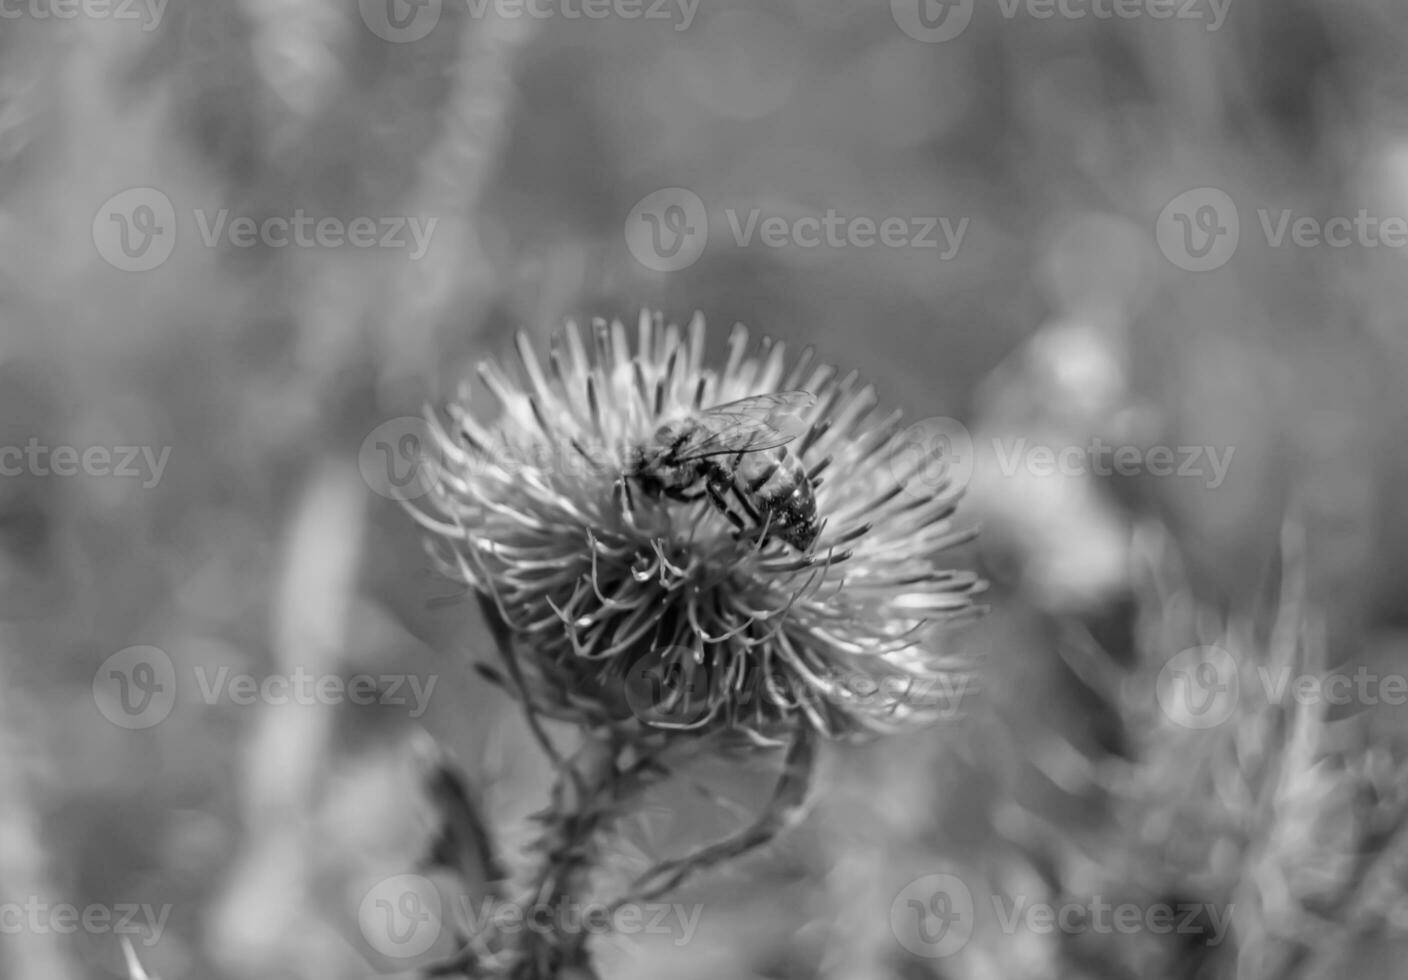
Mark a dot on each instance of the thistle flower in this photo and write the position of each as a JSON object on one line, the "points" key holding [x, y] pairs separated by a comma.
{"points": [[628, 602]]}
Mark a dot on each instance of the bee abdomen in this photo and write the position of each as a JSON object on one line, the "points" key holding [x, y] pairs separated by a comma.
{"points": [[771, 476]]}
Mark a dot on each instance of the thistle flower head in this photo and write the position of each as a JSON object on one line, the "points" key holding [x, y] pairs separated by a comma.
{"points": [[624, 600]]}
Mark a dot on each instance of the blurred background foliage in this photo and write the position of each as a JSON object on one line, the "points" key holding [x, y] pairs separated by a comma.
{"points": [[530, 141]]}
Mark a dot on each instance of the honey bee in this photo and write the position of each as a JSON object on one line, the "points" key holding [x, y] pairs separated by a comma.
{"points": [[736, 455]]}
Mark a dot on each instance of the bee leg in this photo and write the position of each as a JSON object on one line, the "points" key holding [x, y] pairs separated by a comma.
{"points": [[748, 508], [722, 504], [759, 528], [687, 498]]}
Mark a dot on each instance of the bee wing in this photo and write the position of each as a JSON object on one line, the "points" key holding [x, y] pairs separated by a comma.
{"points": [[749, 425]]}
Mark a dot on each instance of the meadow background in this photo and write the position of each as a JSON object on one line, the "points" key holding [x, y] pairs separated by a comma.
{"points": [[264, 547]]}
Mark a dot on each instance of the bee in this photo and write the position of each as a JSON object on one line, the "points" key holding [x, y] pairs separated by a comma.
{"points": [[736, 455]]}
